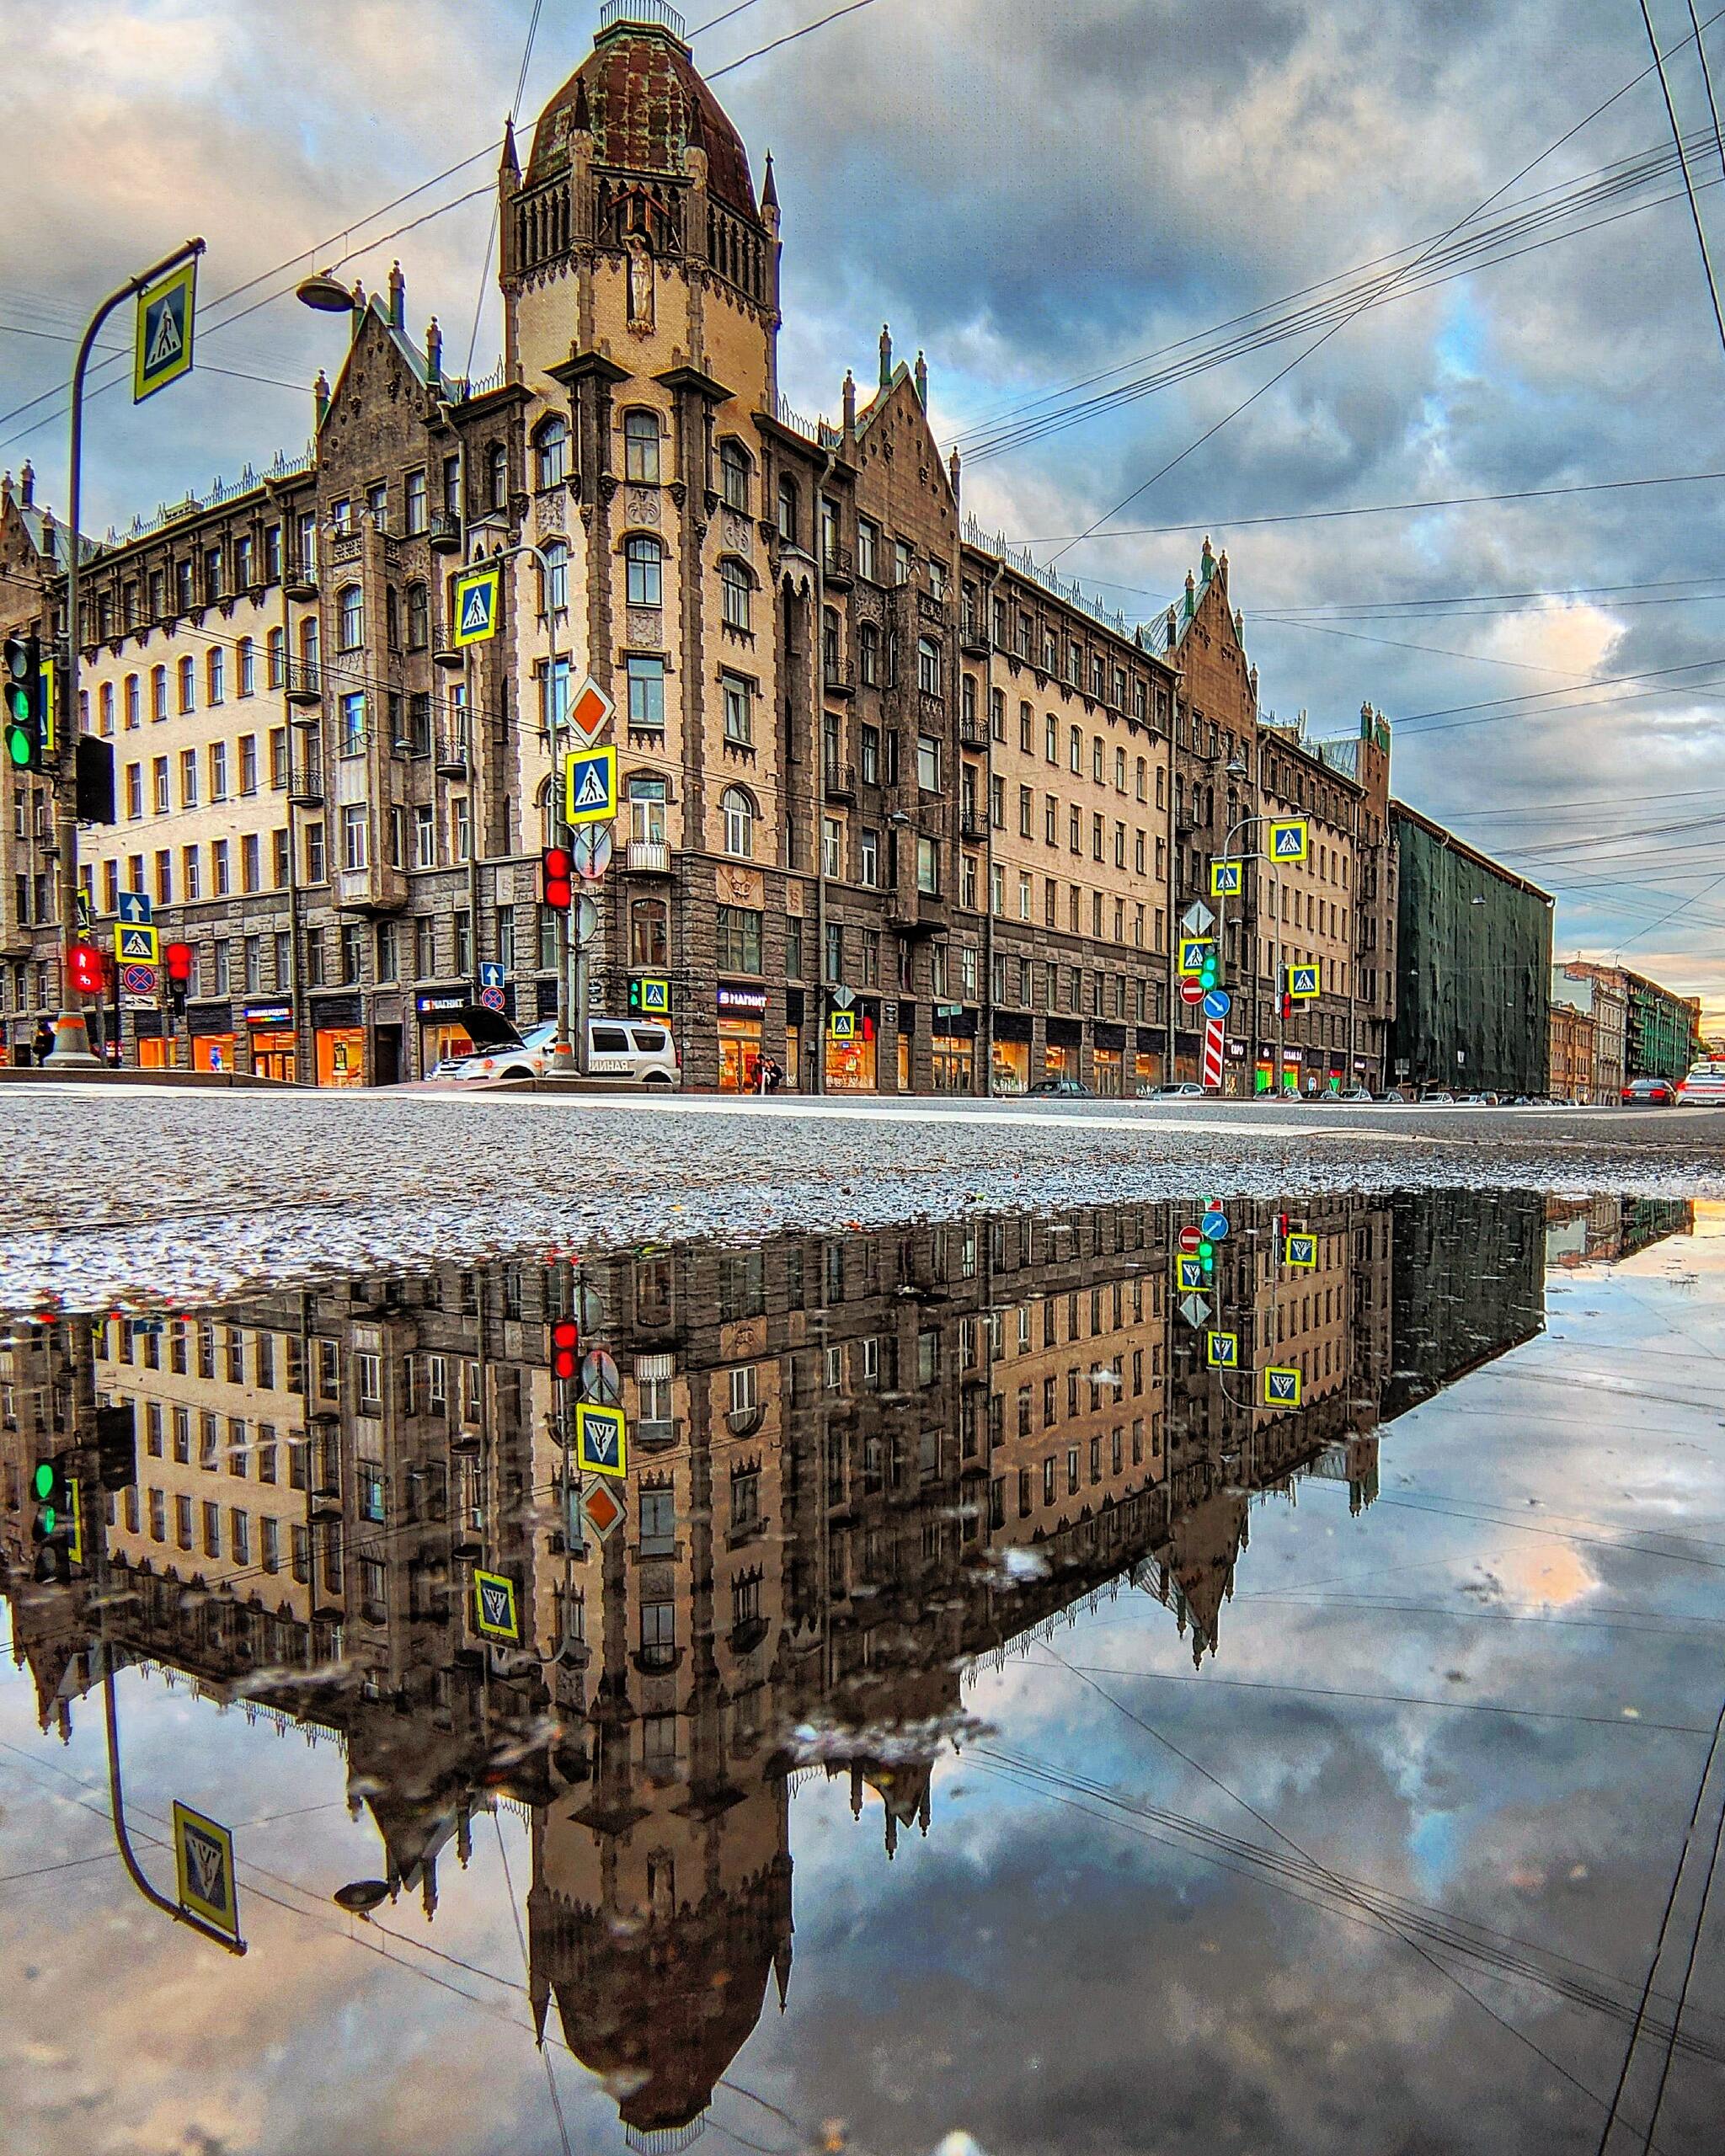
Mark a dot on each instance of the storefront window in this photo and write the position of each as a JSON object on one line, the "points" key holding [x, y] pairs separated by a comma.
{"points": [[1012, 1066], [341, 1055], [852, 1066], [955, 1063], [1106, 1071]]}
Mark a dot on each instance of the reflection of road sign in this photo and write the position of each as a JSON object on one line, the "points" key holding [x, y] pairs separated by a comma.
{"points": [[590, 786], [1192, 990], [1190, 1238], [1198, 919], [590, 1307], [1212, 1071], [1227, 878], [1303, 981], [203, 1857], [495, 1612], [136, 943], [591, 848], [587, 908], [133, 906], [473, 607], [1281, 1388], [600, 1381], [1215, 1224], [138, 981], [1194, 1310], [842, 997], [1221, 1350], [163, 351], [1288, 841], [1193, 951], [590, 710], [1189, 1272], [601, 1440], [1217, 1003], [602, 1510], [841, 1025], [1300, 1250]]}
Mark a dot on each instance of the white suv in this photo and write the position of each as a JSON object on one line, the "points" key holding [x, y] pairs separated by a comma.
{"points": [[632, 1052]]}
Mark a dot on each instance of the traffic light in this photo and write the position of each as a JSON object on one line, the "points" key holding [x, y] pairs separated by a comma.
{"points": [[1207, 1255], [565, 1348], [54, 1526], [557, 870], [1207, 971], [117, 1445], [26, 704], [179, 958], [83, 962], [94, 777]]}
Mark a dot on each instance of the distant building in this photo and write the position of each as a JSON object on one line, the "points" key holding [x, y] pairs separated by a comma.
{"points": [[1473, 965], [1573, 1053], [1602, 1000], [1662, 1030]]}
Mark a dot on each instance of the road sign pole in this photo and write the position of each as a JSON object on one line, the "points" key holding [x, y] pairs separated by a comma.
{"points": [[71, 1037]]}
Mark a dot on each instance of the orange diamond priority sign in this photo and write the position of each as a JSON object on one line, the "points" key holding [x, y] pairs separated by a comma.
{"points": [[590, 710]]}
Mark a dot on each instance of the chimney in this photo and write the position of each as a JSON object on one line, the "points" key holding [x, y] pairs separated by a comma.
{"points": [[433, 350], [850, 398], [27, 484], [922, 382], [886, 355], [398, 298]]}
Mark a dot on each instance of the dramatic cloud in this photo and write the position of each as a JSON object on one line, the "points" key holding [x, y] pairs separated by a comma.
{"points": [[1033, 196]]}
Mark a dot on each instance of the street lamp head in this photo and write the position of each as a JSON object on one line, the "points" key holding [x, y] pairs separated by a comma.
{"points": [[898, 819], [1239, 768], [325, 293]]}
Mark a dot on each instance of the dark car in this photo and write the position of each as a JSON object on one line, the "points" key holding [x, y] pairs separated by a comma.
{"points": [[1067, 1088], [1648, 1093]]}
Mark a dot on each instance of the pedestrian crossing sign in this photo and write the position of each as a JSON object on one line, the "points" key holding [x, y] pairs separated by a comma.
{"points": [[203, 1857], [841, 1025], [163, 349], [474, 609], [1226, 878], [601, 1440], [1222, 1350], [1194, 952], [1188, 1274], [495, 1612], [1289, 841], [1300, 1251], [1281, 1388], [590, 786], [1304, 981], [137, 942]]}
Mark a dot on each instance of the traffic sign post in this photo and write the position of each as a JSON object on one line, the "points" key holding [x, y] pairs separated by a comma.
{"points": [[1300, 1251], [590, 711], [162, 348], [841, 1025], [1281, 1388], [136, 943], [1221, 1350], [602, 1510], [1188, 1272], [601, 1441], [1227, 878], [1290, 838], [203, 1862], [1306, 981], [1212, 1073], [1192, 990]]}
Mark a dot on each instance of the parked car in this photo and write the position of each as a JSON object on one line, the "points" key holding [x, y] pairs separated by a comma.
{"points": [[1443, 1099], [1184, 1090], [1363, 1094], [1704, 1085], [1648, 1093], [1066, 1088], [631, 1051]]}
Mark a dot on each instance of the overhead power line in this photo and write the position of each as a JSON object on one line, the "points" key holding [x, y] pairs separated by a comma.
{"points": [[1695, 207]]}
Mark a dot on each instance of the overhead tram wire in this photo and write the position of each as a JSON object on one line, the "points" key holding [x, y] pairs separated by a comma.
{"points": [[491, 232], [854, 6], [1282, 373], [1700, 54], [1695, 208]]}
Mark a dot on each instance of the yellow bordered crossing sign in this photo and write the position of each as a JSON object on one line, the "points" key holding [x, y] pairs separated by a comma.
{"points": [[1227, 878], [1300, 1250], [161, 352], [1305, 982], [495, 1614], [590, 786], [1222, 1350], [841, 1025], [1188, 1274], [1290, 840], [473, 604], [203, 1858], [601, 1440], [1194, 950], [137, 943], [1281, 1388]]}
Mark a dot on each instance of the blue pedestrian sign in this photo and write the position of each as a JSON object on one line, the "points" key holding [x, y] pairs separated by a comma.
{"points": [[1217, 1003], [473, 610], [590, 786], [1215, 1225], [134, 906], [1222, 1350], [601, 1440], [162, 351], [1304, 981]]}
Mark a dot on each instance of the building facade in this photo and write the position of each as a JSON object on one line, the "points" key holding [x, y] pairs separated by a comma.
{"points": [[1574, 1054], [860, 749], [1473, 966], [1661, 1030], [1600, 999]]}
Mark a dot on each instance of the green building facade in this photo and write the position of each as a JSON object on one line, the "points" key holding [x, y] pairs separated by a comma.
{"points": [[1664, 1030], [1473, 966]]}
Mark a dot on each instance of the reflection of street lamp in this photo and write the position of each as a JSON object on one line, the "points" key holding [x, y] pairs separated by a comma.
{"points": [[359, 1896]]}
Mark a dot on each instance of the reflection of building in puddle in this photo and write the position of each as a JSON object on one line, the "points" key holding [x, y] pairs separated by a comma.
{"points": [[857, 1467], [1602, 1231]]}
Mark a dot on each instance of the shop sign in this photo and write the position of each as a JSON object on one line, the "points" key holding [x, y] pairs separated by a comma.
{"points": [[274, 1015], [433, 1007], [742, 998], [888, 1014]]}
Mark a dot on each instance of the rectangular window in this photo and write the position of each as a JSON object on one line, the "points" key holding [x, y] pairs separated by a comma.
{"points": [[353, 836], [739, 718], [928, 763], [739, 939], [646, 678]]}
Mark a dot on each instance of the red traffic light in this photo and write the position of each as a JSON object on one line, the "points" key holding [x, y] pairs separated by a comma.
{"points": [[557, 870], [565, 1348], [178, 959], [84, 963]]}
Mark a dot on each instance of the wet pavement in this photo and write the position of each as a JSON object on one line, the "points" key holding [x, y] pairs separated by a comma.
{"points": [[987, 1725]]}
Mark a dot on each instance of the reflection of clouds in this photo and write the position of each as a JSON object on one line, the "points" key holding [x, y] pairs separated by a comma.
{"points": [[1552, 1577]]}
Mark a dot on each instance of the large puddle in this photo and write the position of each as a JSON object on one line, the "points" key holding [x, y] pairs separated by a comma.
{"points": [[1053, 1683]]}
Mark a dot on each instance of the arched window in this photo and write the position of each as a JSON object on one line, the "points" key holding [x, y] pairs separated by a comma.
{"points": [[418, 617], [787, 511], [247, 667], [551, 448], [733, 474], [928, 666], [868, 653], [497, 476], [735, 588], [274, 657], [188, 684], [554, 577], [739, 811], [214, 675], [641, 447], [645, 560], [349, 617]]}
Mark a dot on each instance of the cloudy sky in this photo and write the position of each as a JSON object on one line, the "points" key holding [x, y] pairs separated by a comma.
{"points": [[1061, 206]]}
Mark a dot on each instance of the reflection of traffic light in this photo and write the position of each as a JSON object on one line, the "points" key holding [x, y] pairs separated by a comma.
{"points": [[83, 962], [117, 1445], [26, 704], [557, 871], [565, 1348], [1207, 971], [1207, 1255], [54, 1523]]}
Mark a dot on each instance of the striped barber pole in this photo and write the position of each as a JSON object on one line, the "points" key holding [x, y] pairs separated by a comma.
{"points": [[1213, 1052]]}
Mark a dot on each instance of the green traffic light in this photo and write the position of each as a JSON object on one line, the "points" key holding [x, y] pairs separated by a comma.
{"points": [[1206, 1249], [44, 1481], [51, 1519]]}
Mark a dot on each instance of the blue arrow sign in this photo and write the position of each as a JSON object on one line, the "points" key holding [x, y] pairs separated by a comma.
{"points": [[1215, 1226], [1217, 1003], [490, 974], [134, 905]]}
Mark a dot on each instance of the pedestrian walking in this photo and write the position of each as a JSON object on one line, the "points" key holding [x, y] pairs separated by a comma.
{"points": [[775, 1074], [43, 1040]]}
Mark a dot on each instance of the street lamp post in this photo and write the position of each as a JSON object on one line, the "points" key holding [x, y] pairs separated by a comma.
{"points": [[71, 1036]]}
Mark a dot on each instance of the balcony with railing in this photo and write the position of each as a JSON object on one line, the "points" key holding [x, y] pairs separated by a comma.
{"points": [[972, 731], [838, 565], [842, 782], [454, 756], [648, 857], [443, 530], [839, 676], [305, 681], [305, 784], [973, 823], [375, 889], [299, 576]]}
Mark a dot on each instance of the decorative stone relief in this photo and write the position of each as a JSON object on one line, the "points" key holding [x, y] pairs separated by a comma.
{"points": [[737, 536], [551, 512], [644, 627], [643, 506]]}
